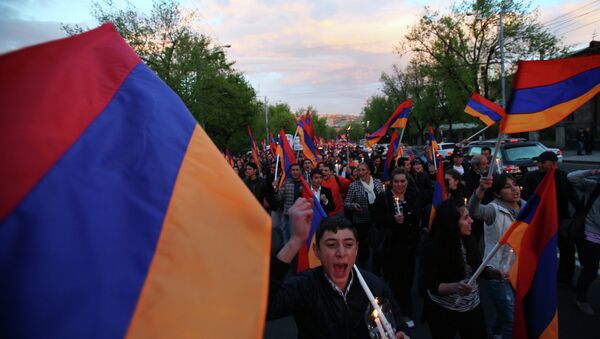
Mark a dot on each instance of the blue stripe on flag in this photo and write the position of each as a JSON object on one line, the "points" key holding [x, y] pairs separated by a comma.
{"points": [[81, 243]]}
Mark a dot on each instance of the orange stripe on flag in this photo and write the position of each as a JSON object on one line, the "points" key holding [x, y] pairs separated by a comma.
{"points": [[209, 275]]}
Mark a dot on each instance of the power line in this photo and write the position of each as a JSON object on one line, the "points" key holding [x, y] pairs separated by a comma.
{"points": [[574, 29], [550, 22]]}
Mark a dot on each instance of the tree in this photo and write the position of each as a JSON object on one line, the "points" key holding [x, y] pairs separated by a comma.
{"points": [[464, 46], [217, 95]]}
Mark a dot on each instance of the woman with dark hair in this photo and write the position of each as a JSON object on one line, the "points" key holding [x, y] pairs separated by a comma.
{"points": [[450, 257], [497, 217], [378, 167], [360, 199], [456, 189], [397, 212]]}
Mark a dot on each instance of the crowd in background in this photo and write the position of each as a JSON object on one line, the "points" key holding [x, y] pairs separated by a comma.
{"points": [[395, 231]]}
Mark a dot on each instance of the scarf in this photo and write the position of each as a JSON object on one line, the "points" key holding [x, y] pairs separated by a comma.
{"points": [[370, 189]]}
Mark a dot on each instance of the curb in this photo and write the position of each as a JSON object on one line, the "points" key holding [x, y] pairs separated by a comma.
{"points": [[594, 162]]}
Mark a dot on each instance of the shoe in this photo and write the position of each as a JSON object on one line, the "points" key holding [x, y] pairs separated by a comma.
{"points": [[585, 308]]}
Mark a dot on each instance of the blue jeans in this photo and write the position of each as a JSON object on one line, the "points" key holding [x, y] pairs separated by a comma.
{"points": [[504, 302]]}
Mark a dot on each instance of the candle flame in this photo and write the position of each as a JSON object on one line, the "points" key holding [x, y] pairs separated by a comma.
{"points": [[375, 314]]}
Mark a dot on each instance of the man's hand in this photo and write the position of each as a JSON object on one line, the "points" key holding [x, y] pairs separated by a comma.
{"points": [[300, 215]]}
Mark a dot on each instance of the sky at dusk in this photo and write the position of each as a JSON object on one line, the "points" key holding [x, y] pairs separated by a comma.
{"points": [[328, 54]]}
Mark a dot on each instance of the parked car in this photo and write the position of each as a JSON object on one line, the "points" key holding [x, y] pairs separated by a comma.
{"points": [[446, 149], [515, 156]]}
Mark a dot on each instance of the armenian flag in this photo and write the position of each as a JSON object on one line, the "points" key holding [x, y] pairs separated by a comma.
{"points": [[306, 257], [253, 148], [398, 119], [228, 157], [533, 237], [115, 204], [439, 191], [391, 151], [481, 108], [309, 149], [272, 144], [286, 156], [545, 92]]}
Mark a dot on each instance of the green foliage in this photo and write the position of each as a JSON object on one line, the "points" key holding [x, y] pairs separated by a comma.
{"points": [[217, 95]]}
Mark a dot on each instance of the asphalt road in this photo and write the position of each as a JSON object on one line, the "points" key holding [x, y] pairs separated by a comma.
{"points": [[572, 323]]}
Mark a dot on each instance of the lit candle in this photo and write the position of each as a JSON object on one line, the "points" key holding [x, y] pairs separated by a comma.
{"points": [[465, 201], [379, 327], [396, 200]]}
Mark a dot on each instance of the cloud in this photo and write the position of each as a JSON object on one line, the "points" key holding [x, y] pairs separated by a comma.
{"points": [[317, 49]]}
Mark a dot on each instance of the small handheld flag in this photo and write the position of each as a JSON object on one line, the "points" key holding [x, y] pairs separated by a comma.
{"points": [[481, 108], [398, 119], [306, 257]]}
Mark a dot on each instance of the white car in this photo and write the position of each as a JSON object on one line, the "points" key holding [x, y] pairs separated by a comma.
{"points": [[446, 149]]}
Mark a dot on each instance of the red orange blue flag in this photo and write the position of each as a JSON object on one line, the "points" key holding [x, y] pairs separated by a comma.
{"points": [[545, 92], [533, 237], [398, 119], [391, 151], [114, 203], [483, 109], [286, 156], [253, 148], [309, 148], [272, 144], [306, 257], [439, 191]]}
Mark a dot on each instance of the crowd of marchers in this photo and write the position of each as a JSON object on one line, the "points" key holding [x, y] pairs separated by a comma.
{"points": [[384, 225]]}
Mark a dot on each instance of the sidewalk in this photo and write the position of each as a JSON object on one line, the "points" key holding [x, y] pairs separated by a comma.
{"points": [[571, 156]]}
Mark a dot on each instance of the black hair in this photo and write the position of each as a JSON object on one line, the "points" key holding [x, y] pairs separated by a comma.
{"points": [[447, 237], [253, 165], [333, 224], [398, 170], [315, 171], [454, 174], [500, 181], [486, 149], [330, 165], [295, 164]]}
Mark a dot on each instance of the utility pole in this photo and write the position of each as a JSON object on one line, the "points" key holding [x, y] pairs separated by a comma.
{"points": [[267, 120]]}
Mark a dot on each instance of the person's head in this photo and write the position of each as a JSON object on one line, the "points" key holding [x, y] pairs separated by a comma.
{"points": [[451, 226], [336, 245], [320, 165], [353, 173], [377, 161], [486, 152], [316, 177], [364, 170], [328, 169], [453, 178], [545, 161], [307, 165], [251, 169], [236, 169], [273, 167], [295, 172], [452, 220], [399, 180], [479, 162], [417, 166], [457, 158], [506, 188]]}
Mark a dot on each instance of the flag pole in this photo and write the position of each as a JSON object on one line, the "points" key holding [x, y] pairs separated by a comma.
{"points": [[496, 148], [481, 130], [401, 135], [480, 269], [276, 167], [386, 324]]}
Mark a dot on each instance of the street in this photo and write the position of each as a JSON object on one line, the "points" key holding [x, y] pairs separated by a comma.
{"points": [[572, 323]]}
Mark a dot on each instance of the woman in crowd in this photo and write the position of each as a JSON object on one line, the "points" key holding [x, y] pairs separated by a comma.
{"points": [[360, 199], [456, 189], [397, 212], [450, 257], [378, 167], [497, 217]]}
